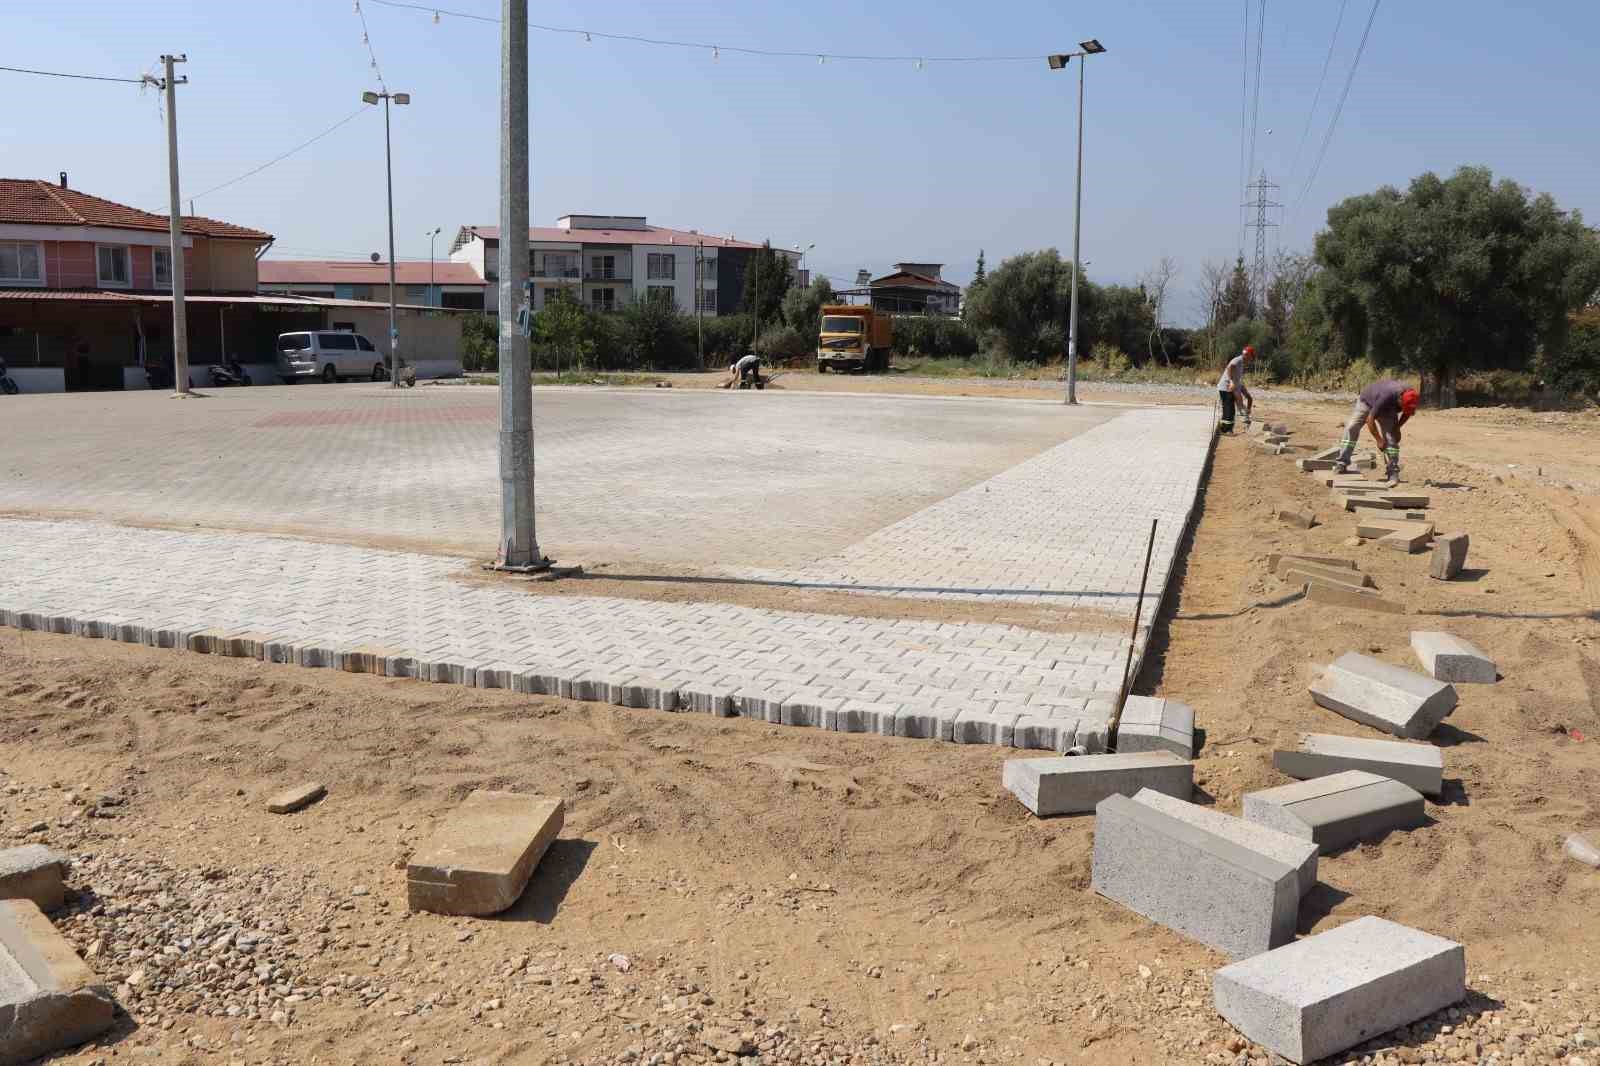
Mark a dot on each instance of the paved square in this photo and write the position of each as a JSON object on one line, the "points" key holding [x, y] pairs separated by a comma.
{"points": [[891, 496]]}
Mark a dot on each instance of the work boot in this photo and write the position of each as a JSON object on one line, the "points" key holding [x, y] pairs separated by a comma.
{"points": [[1341, 468]]}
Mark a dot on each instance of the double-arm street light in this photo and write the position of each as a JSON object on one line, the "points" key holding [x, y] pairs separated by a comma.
{"points": [[388, 173], [1090, 47]]}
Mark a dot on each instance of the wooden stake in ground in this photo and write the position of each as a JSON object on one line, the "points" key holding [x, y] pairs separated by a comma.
{"points": [[1138, 609]]}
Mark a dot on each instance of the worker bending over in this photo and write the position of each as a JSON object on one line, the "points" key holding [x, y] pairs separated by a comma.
{"points": [[1383, 407], [1231, 388], [752, 362]]}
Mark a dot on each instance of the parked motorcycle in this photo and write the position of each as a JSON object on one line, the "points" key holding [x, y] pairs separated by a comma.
{"points": [[7, 386], [224, 375]]}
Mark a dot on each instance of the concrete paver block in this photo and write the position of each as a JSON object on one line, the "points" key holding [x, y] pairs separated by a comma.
{"points": [[49, 998], [1356, 502], [1449, 555], [1041, 732], [34, 872], [482, 855], [985, 727], [1073, 784], [1374, 528], [1329, 594], [1338, 809], [705, 699], [1292, 851], [1449, 658], [1390, 698], [762, 704], [809, 708], [1420, 766], [861, 716], [292, 799], [1153, 723], [1407, 501], [1321, 995], [1304, 573], [925, 721], [1203, 885], [1409, 541], [1297, 518], [1279, 559]]}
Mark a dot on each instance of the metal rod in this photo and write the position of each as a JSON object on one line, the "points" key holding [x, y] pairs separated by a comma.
{"points": [[1138, 612], [519, 546], [1077, 234]]}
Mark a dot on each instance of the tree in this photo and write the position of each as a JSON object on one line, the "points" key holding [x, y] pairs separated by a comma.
{"points": [[802, 307], [1237, 300], [1024, 304], [1208, 292], [1156, 282], [655, 335], [480, 342], [565, 332], [1455, 273], [981, 274], [767, 278], [1120, 316]]}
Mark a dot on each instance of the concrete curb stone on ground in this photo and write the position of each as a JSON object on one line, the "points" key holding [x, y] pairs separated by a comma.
{"points": [[1337, 810], [1386, 697], [49, 998], [1421, 766]]}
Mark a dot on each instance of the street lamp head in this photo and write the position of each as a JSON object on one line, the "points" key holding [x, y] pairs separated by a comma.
{"points": [[1058, 61], [405, 98], [1091, 47], [369, 97]]}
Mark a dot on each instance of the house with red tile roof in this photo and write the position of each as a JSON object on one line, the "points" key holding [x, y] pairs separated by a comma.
{"points": [[86, 296], [607, 261], [436, 284]]}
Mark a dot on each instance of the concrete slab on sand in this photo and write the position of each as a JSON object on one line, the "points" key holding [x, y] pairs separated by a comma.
{"points": [[49, 999], [292, 799], [1203, 885], [1074, 784], [1386, 697], [1329, 992], [1291, 851], [480, 858], [34, 872], [1337, 810], [1420, 766], [1449, 658], [1155, 723]]}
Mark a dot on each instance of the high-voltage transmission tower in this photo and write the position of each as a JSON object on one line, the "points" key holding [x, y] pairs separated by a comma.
{"points": [[1258, 275]]}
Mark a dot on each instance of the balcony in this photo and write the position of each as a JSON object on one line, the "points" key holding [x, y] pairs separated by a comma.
{"points": [[621, 270]]}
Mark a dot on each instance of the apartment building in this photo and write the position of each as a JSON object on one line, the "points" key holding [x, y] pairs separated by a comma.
{"points": [[443, 284], [607, 261]]}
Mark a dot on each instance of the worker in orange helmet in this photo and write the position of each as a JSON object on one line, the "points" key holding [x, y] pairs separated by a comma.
{"points": [[1231, 390], [1383, 407]]}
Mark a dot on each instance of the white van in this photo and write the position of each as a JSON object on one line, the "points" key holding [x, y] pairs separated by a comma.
{"points": [[330, 355]]}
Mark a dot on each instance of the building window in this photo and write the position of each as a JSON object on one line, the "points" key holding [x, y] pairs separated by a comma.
{"points": [[603, 299], [708, 270], [111, 264], [21, 263], [707, 300], [661, 266], [161, 266], [603, 267], [660, 294]]}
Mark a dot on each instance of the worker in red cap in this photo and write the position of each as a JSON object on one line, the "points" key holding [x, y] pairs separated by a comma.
{"points": [[1383, 407], [1230, 388]]}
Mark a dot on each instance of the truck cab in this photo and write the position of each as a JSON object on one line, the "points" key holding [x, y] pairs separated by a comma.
{"points": [[853, 338]]}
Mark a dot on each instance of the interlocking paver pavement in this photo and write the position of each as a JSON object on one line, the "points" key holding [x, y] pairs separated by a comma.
{"points": [[1068, 527], [408, 615], [671, 477]]}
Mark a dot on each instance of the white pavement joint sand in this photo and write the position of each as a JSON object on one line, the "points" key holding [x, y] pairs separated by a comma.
{"points": [[1386, 697], [1329, 992], [1338, 809], [1206, 886], [1421, 766]]}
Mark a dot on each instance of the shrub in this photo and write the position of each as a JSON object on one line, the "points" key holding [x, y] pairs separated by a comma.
{"points": [[1111, 359], [480, 343], [1574, 370], [781, 345], [930, 337]]}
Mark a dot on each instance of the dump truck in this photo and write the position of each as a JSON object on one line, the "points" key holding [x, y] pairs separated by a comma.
{"points": [[854, 338]]}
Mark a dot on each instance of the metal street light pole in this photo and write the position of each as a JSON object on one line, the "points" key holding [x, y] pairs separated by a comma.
{"points": [[388, 174], [1057, 62], [519, 545], [432, 288]]}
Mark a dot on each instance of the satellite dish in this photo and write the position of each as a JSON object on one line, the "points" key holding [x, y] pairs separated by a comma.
{"points": [[375, 257]]}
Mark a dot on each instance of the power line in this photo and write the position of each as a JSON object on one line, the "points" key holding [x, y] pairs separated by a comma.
{"points": [[1255, 111], [80, 77], [285, 155], [366, 39], [1317, 97], [715, 49], [1244, 97], [1338, 110]]}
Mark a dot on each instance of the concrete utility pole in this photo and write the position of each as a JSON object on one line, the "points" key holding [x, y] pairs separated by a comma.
{"points": [[180, 322], [519, 546], [699, 301]]}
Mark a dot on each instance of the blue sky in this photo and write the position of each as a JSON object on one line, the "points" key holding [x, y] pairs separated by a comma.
{"points": [[872, 162]]}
